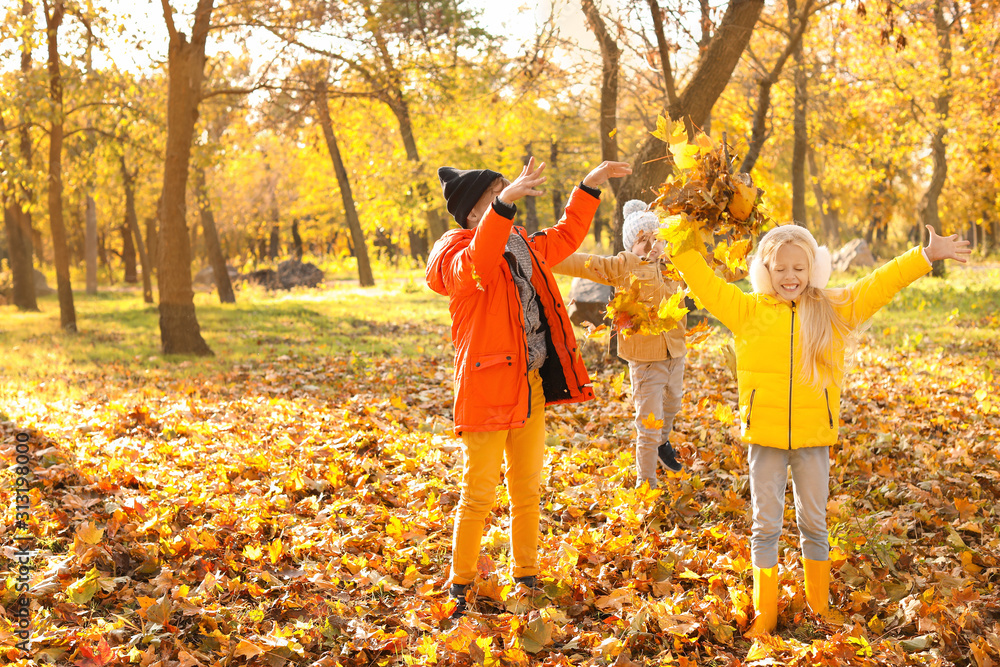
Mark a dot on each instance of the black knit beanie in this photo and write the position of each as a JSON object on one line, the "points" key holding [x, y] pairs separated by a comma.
{"points": [[463, 188]]}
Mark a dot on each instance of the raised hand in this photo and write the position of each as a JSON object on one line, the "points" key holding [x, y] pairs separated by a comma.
{"points": [[526, 184], [602, 172], [946, 247]]}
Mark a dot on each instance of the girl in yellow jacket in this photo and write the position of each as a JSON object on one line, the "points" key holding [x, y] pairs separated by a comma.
{"points": [[790, 335]]}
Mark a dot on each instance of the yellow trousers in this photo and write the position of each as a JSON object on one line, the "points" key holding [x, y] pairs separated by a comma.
{"points": [[524, 451]]}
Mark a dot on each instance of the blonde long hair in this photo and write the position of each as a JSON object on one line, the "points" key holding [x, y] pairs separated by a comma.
{"points": [[824, 334]]}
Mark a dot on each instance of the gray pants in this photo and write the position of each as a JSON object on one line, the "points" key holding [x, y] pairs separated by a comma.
{"points": [[811, 486], [657, 389]]}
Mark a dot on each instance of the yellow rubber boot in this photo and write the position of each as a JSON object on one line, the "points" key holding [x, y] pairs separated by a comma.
{"points": [[818, 586], [765, 600]]}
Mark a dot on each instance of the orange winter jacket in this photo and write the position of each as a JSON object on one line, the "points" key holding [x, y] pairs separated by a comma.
{"points": [[473, 270]]}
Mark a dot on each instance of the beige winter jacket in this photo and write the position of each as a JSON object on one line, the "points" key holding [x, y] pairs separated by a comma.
{"points": [[617, 271]]}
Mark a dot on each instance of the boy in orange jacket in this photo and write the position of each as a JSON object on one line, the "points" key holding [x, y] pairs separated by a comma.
{"points": [[515, 351]]}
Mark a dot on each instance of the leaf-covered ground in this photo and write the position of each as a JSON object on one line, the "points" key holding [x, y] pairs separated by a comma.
{"points": [[269, 509]]}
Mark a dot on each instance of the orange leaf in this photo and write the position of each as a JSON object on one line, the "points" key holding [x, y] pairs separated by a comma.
{"points": [[485, 566], [652, 423], [966, 509]]}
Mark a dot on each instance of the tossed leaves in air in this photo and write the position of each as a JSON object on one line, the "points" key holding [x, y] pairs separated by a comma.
{"points": [[707, 193]]}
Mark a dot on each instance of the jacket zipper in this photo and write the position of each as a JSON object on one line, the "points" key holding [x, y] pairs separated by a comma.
{"points": [[791, 376], [750, 407], [562, 331], [829, 413]]}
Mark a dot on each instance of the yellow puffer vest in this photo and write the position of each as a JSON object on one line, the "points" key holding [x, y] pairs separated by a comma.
{"points": [[776, 408]]}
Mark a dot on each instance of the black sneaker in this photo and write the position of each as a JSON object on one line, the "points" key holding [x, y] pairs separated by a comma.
{"points": [[665, 454], [529, 581], [458, 591]]}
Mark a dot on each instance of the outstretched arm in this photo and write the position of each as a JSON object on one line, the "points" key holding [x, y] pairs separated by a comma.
{"points": [[597, 268], [869, 294], [946, 247], [607, 169]]}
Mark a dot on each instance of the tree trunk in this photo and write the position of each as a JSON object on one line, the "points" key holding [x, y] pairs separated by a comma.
{"points": [[274, 212], [90, 244], [365, 276], [596, 227], [557, 194], [800, 142], [828, 213], [17, 220], [153, 242], [67, 311], [436, 224], [610, 56], [193, 241], [393, 96], [19, 248], [131, 274], [179, 330], [102, 257], [274, 243], [530, 208], [132, 220], [296, 239], [927, 209], [715, 67], [418, 244], [758, 135], [220, 272]]}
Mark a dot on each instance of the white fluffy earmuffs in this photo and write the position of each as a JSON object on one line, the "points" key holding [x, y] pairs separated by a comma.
{"points": [[760, 277]]}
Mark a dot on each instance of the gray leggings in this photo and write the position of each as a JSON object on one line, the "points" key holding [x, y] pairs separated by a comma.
{"points": [[811, 487]]}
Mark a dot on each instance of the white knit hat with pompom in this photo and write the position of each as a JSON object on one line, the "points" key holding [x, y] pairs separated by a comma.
{"points": [[637, 218]]}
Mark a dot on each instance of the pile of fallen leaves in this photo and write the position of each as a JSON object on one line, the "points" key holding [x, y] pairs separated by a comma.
{"points": [[299, 512]]}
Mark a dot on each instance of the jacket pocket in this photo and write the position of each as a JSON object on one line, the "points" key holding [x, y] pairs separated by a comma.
{"points": [[490, 379], [753, 393], [829, 412], [485, 361]]}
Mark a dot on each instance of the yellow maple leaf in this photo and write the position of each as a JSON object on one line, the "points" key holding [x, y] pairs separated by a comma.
{"points": [[651, 422], [89, 533], [253, 552], [680, 233], [662, 132], [685, 155], [724, 414], [678, 134], [207, 540], [672, 309], [617, 383], [733, 257]]}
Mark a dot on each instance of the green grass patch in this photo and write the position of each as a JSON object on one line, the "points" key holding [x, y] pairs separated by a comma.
{"points": [[400, 316]]}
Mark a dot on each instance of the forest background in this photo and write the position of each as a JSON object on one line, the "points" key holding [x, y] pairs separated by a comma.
{"points": [[174, 517]]}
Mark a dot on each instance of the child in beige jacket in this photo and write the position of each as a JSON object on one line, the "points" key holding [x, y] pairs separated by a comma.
{"points": [[655, 362]]}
